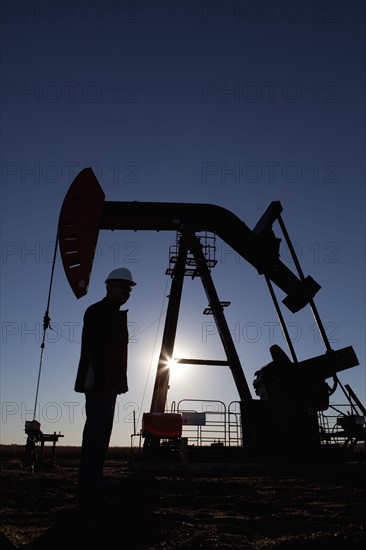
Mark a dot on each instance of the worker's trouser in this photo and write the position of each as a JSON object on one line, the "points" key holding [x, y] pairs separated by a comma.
{"points": [[99, 410]]}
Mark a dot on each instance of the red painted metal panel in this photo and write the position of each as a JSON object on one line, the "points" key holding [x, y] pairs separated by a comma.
{"points": [[162, 425], [78, 229]]}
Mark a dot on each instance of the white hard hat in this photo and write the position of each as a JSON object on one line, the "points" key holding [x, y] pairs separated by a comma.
{"points": [[121, 274]]}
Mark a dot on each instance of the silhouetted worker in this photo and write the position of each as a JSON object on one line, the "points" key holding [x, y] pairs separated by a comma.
{"points": [[102, 375]]}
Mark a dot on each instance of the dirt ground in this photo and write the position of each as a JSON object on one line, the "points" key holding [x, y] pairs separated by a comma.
{"points": [[265, 506]]}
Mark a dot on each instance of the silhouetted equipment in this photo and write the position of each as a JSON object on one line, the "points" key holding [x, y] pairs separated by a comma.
{"points": [[34, 447], [293, 394]]}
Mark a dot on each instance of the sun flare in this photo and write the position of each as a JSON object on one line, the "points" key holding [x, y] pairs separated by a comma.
{"points": [[177, 369]]}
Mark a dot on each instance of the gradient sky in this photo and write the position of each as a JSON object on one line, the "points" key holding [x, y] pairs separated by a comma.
{"points": [[236, 104]]}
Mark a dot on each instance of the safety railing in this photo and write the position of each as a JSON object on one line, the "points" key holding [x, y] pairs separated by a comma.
{"points": [[343, 426]]}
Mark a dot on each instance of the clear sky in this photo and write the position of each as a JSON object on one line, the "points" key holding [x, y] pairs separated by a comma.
{"points": [[236, 104]]}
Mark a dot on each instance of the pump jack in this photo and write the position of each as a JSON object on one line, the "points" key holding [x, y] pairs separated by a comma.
{"points": [[292, 393]]}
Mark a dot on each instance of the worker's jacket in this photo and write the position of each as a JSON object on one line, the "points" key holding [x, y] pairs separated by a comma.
{"points": [[103, 357]]}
